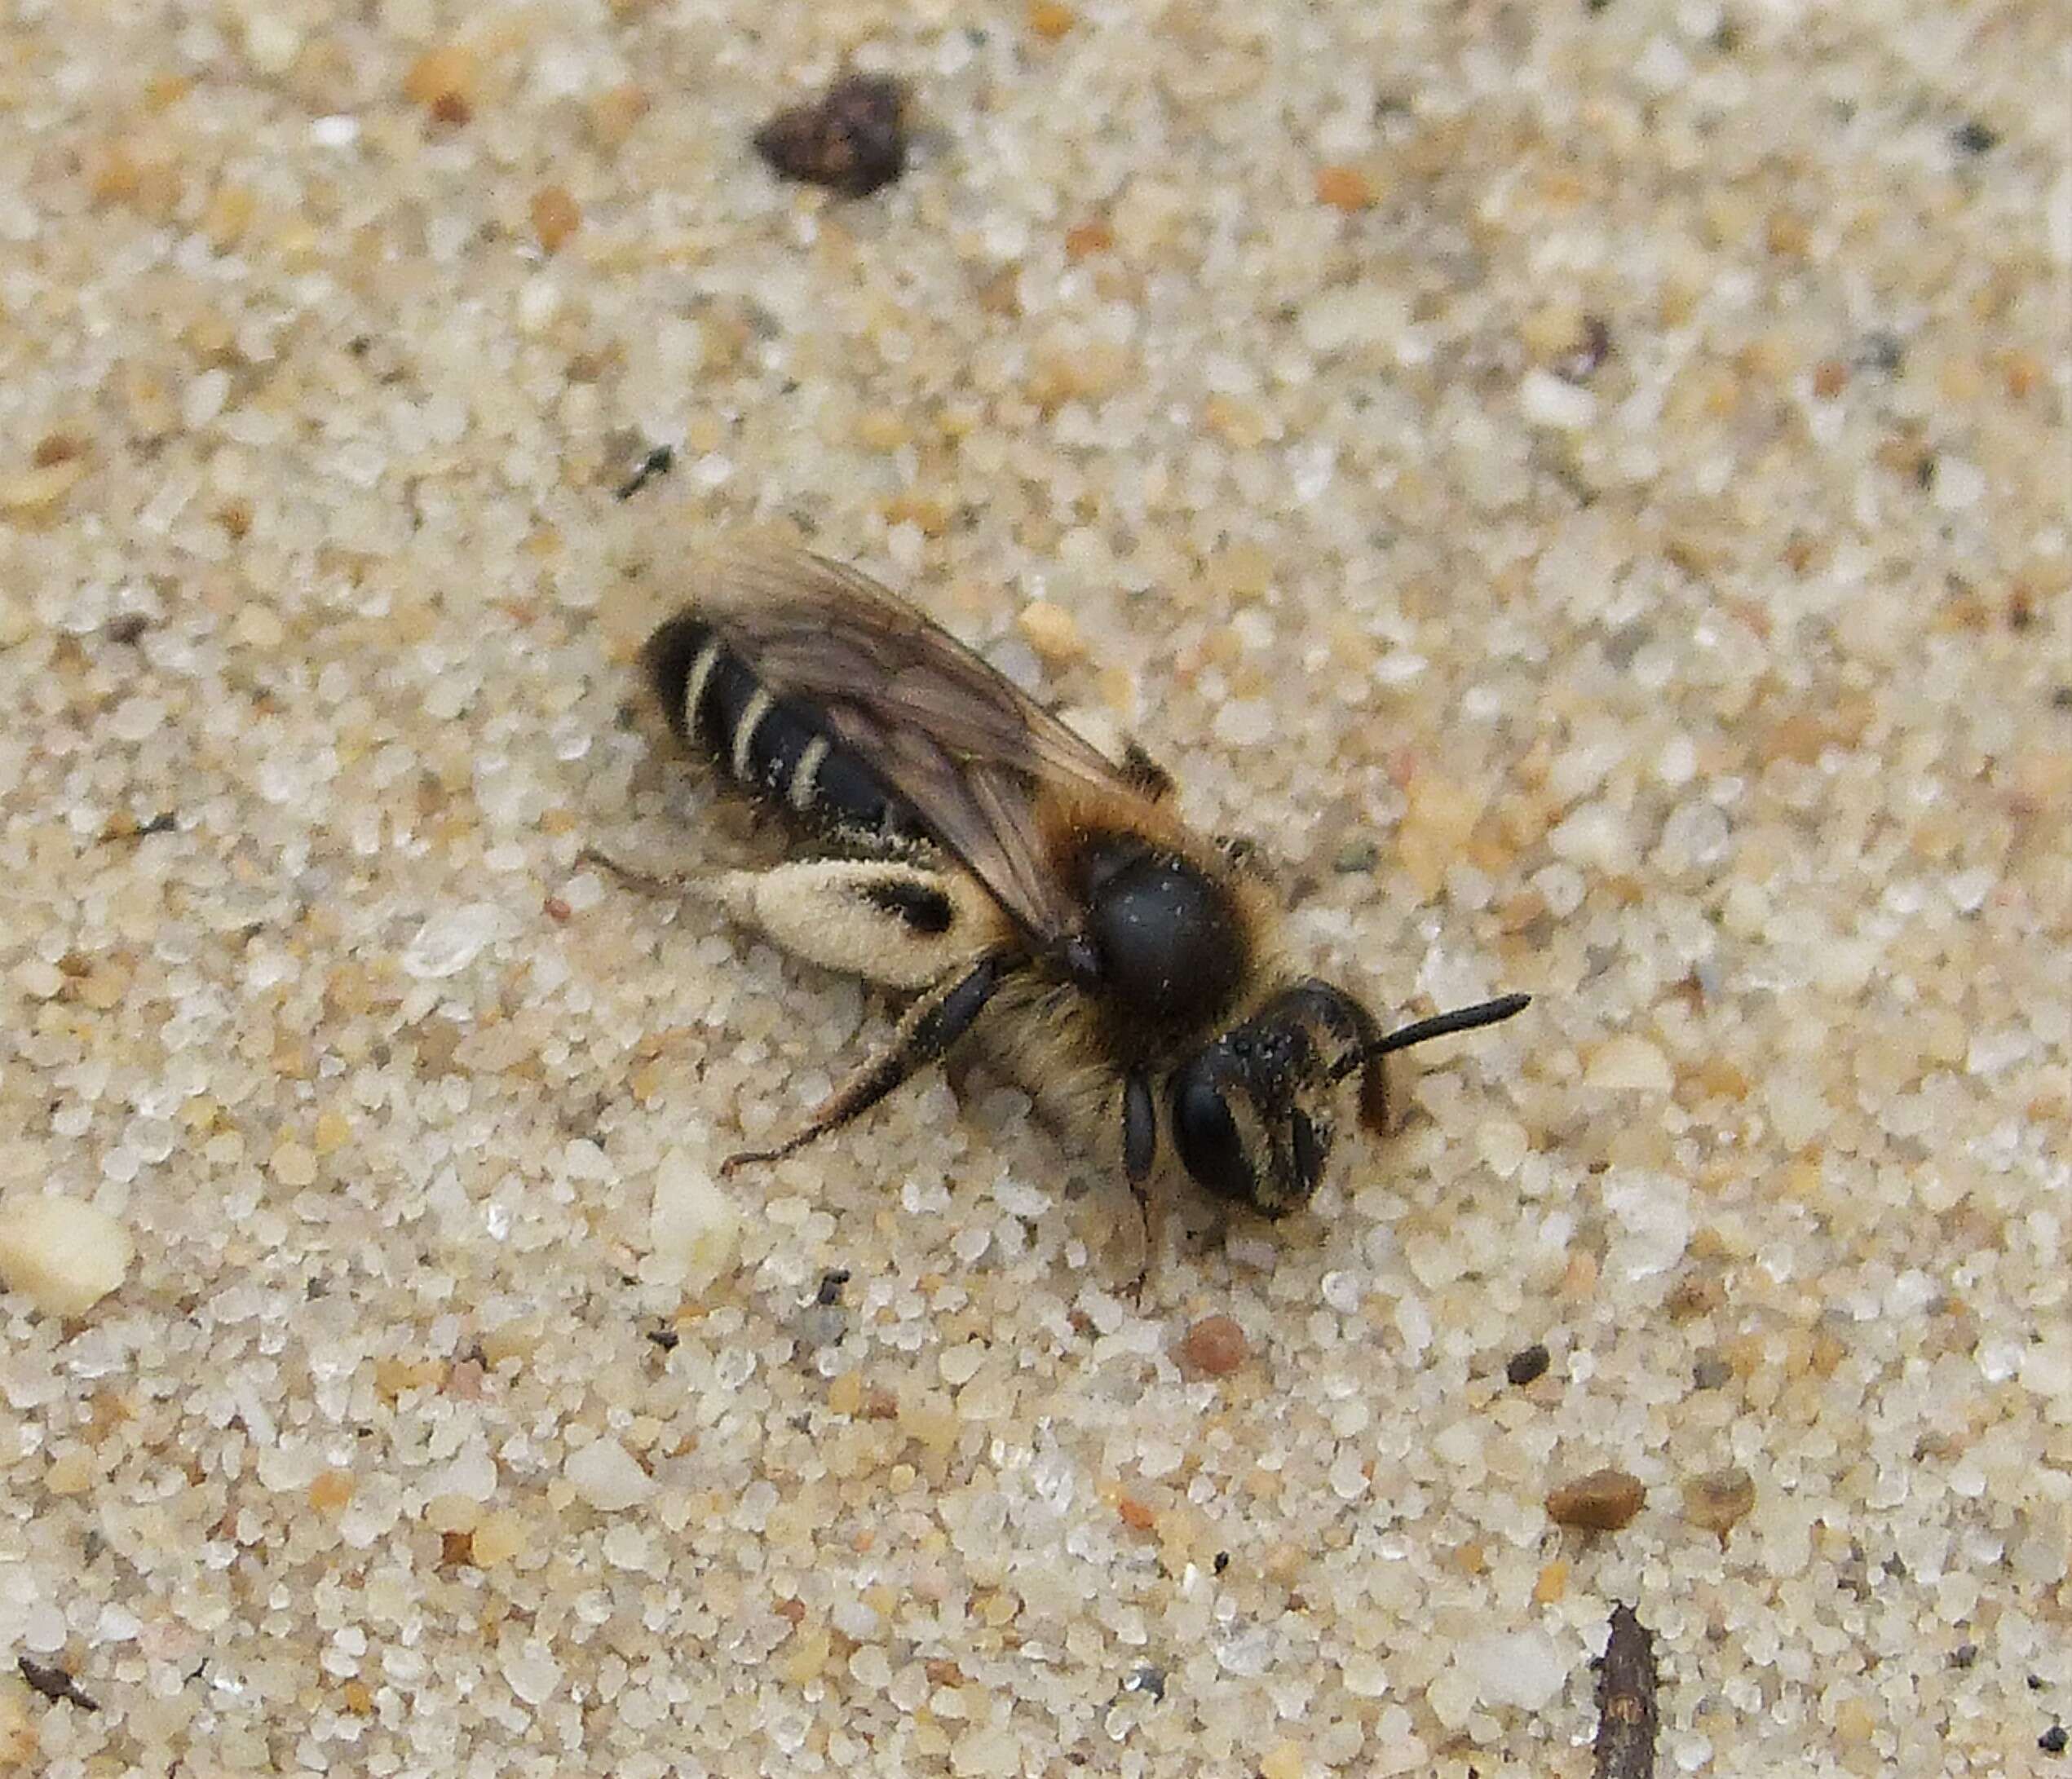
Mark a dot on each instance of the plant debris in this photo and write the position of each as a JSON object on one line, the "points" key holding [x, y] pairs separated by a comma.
{"points": [[852, 139], [659, 462], [54, 1683], [1628, 1717]]}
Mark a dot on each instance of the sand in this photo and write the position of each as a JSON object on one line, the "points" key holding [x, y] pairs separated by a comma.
{"points": [[1584, 486]]}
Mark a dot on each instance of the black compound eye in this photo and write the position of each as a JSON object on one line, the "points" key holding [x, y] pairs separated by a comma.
{"points": [[1207, 1137]]}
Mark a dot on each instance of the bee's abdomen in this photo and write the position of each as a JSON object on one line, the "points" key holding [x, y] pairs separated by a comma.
{"points": [[778, 749]]}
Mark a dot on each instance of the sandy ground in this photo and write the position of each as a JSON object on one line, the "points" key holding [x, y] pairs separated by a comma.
{"points": [[1585, 486]]}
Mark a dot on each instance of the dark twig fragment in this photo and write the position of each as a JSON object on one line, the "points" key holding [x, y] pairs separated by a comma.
{"points": [[1626, 1717], [852, 139], [54, 1683], [659, 462]]}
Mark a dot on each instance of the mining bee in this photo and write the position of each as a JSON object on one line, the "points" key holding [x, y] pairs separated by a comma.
{"points": [[965, 846]]}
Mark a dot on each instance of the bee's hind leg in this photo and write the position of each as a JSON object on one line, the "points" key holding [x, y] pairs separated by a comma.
{"points": [[931, 1026], [648, 883], [897, 925]]}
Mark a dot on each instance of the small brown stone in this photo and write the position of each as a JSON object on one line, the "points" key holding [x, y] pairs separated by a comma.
{"points": [[1604, 1501], [1827, 1352], [1693, 1295], [1087, 239], [555, 216], [331, 1490], [1214, 1346], [613, 113], [2020, 372], [115, 176], [1721, 1500], [927, 516], [1344, 188], [444, 82], [1050, 20], [1052, 631]]}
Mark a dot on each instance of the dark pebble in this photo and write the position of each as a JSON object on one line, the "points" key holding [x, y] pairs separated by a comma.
{"points": [[1712, 1373], [1528, 1365], [852, 139]]}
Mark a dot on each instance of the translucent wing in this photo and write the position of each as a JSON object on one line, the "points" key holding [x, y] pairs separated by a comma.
{"points": [[966, 747]]}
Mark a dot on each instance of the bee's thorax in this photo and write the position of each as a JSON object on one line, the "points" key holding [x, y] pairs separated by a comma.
{"points": [[1164, 930]]}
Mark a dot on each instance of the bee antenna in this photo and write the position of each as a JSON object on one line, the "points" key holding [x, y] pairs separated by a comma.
{"points": [[1483, 1012]]}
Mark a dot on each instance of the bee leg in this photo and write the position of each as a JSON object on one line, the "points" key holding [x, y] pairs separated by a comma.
{"points": [[1139, 1129], [847, 840], [900, 925], [1150, 1216], [1145, 772], [1139, 1150], [931, 1026], [648, 883], [1242, 852]]}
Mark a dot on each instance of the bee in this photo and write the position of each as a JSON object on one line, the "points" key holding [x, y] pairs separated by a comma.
{"points": [[961, 844]]}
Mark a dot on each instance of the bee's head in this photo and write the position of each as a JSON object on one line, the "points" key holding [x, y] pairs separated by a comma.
{"points": [[1252, 1111]]}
